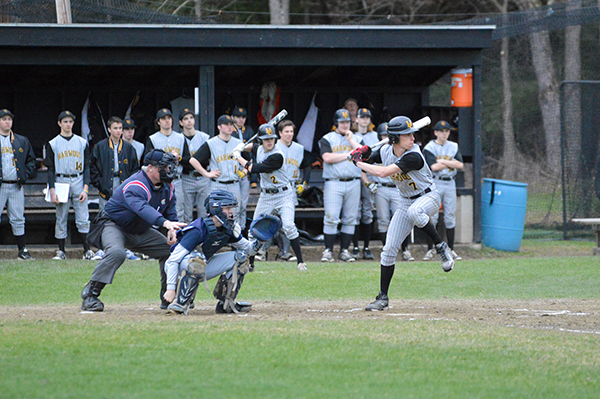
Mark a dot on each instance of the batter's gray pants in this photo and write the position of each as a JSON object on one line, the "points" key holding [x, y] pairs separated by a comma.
{"points": [[13, 194]]}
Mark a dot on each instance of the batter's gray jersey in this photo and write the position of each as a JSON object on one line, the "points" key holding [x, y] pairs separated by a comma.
{"points": [[411, 183], [276, 178], [341, 170], [293, 157], [220, 158]]}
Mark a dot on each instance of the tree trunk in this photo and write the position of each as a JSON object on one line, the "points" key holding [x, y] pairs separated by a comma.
{"points": [[509, 156], [572, 95], [280, 12], [198, 8]]}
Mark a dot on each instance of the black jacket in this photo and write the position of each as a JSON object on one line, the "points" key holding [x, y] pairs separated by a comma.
{"points": [[23, 153], [102, 165]]}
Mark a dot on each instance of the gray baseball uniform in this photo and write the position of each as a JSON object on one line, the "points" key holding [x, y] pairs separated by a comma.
{"points": [[445, 182], [11, 192], [139, 149], [367, 198], [293, 157], [341, 194], [419, 198], [195, 186]]}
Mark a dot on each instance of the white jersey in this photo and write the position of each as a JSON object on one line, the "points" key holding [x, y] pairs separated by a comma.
{"points": [[447, 151], [196, 142], [174, 144], [275, 179], [370, 139], [344, 169], [9, 170], [292, 159], [220, 158], [411, 183], [139, 150], [68, 154]]}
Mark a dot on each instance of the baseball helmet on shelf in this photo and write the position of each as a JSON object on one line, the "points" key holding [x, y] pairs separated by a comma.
{"points": [[216, 201], [398, 126]]}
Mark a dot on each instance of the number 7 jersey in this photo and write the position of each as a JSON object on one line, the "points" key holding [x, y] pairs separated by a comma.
{"points": [[412, 182]]}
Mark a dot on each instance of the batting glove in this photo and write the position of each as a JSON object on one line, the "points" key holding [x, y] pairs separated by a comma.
{"points": [[235, 154], [300, 188], [372, 186], [240, 147]]}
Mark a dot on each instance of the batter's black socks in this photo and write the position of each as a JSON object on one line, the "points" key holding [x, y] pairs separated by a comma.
{"points": [[295, 243], [346, 239], [329, 241], [387, 272], [404, 245], [431, 231], [450, 236], [20, 241], [61, 244]]}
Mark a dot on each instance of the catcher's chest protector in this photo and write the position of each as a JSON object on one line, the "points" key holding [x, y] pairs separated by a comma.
{"points": [[215, 240]]}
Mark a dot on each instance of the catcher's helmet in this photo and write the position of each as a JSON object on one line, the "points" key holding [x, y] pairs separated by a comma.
{"points": [[267, 131], [167, 164], [341, 115], [216, 201], [399, 125]]}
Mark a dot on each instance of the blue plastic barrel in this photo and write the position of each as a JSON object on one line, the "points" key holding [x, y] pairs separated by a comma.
{"points": [[503, 208]]}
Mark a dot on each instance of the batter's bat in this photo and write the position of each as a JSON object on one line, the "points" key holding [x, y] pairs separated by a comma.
{"points": [[421, 123], [274, 121]]}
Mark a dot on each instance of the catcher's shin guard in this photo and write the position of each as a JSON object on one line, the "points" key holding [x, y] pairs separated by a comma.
{"points": [[186, 291]]}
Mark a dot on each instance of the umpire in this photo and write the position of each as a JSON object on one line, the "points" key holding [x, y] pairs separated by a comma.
{"points": [[144, 200]]}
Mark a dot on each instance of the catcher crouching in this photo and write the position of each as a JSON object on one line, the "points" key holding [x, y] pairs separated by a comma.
{"points": [[194, 257]]}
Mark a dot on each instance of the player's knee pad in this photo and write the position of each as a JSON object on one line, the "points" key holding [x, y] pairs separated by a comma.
{"points": [[242, 261], [195, 264]]}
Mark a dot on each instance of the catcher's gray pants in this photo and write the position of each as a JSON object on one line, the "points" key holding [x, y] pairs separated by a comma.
{"points": [[219, 263], [13, 194], [115, 239], [82, 216], [282, 204], [447, 191], [410, 213], [195, 191], [178, 189], [367, 198], [244, 198], [341, 200], [233, 188], [387, 200]]}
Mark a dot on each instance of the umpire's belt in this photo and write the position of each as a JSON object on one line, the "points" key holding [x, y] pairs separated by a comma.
{"points": [[274, 190], [427, 190], [67, 175], [392, 185], [344, 179], [442, 178], [225, 182]]}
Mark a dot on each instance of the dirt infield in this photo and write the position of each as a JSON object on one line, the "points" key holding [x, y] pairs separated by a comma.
{"points": [[570, 316]]}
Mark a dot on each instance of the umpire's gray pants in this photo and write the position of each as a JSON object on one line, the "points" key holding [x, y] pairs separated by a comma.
{"points": [[115, 239], [13, 194]]}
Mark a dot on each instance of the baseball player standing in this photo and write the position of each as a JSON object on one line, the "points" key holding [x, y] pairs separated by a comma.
{"points": [[341, 194], [215, 155], [128, 133], [168, 140], [277, 194], [144, 200], [68, 161], [444, 159], [367, 190], [403, 161], [244, 133], [18, 165], [195, 186]]}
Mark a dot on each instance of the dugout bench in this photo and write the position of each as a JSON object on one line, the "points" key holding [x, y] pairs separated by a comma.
{"points": [[595, 223]]}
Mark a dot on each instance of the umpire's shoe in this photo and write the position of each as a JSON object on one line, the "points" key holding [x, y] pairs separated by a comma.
{"points": [[381, 302], [241, 307], [90, 294]]}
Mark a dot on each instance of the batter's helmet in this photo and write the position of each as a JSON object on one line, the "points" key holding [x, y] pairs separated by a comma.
{"points": [[399, 125], [266, 131], [382, 129], [216, 201], [166, 162], [341, 115]]}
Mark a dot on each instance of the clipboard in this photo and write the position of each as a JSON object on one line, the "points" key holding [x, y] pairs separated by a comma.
{"points": [[61, 190]]}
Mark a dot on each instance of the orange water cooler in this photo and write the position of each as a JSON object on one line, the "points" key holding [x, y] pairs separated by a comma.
{"points": [[461, 92]]}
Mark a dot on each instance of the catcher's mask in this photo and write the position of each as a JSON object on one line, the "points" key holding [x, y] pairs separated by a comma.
{"points": [[216, 201], [399, 125], [166, 163]]}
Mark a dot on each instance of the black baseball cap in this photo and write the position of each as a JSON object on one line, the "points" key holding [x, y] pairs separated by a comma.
{"points": [[65, 114], [442, 125], [364, 112], [238, 111], [163, 112], [224, 119], [4, 112], [184, 112], [128, 123], [154, 157]]}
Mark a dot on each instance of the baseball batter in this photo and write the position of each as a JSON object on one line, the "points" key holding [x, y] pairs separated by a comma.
{"points": [[68, 161], [444, 160], [18, 165], [403, 161], [277, 195], [213, 160], [341, 194], [195, 186], [168, 140]]}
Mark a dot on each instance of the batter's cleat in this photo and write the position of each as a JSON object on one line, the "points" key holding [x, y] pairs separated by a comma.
{"points": [[429, 255], [99, 255], [455, 255], [407, 256], [288, 257], [445, 255], [60, 255], [241, 307], [178, 309], [327, 256], [355, 252], [89, 255], [302, 267], [381, 302], [24, 254], [129, 255], [346, 257], [367, 254], [92, 304]]}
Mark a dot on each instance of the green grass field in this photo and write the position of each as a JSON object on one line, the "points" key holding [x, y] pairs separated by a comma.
{"points": [[307, 337]]}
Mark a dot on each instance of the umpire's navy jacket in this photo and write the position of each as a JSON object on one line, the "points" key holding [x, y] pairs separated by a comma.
{"points": [[136, 205], [102, 165], [24, 156]]}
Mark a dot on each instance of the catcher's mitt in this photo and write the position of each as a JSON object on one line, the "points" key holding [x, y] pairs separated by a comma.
{"points": [[360, 154], [265, 227]]}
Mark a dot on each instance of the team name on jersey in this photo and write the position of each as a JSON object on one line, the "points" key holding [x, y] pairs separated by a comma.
{"points": [[290, 161], [223, 158], [173, 150], [7, 150], [400, 177], [192, 152], [341, 148], [68, 153], [446, 157]]}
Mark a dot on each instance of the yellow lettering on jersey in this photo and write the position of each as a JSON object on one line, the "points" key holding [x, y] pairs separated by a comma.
{"points": [[341, 148], [223, 158], [173, 150], [7, 150], [291, 161], [403, 177], [68, 153]]}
